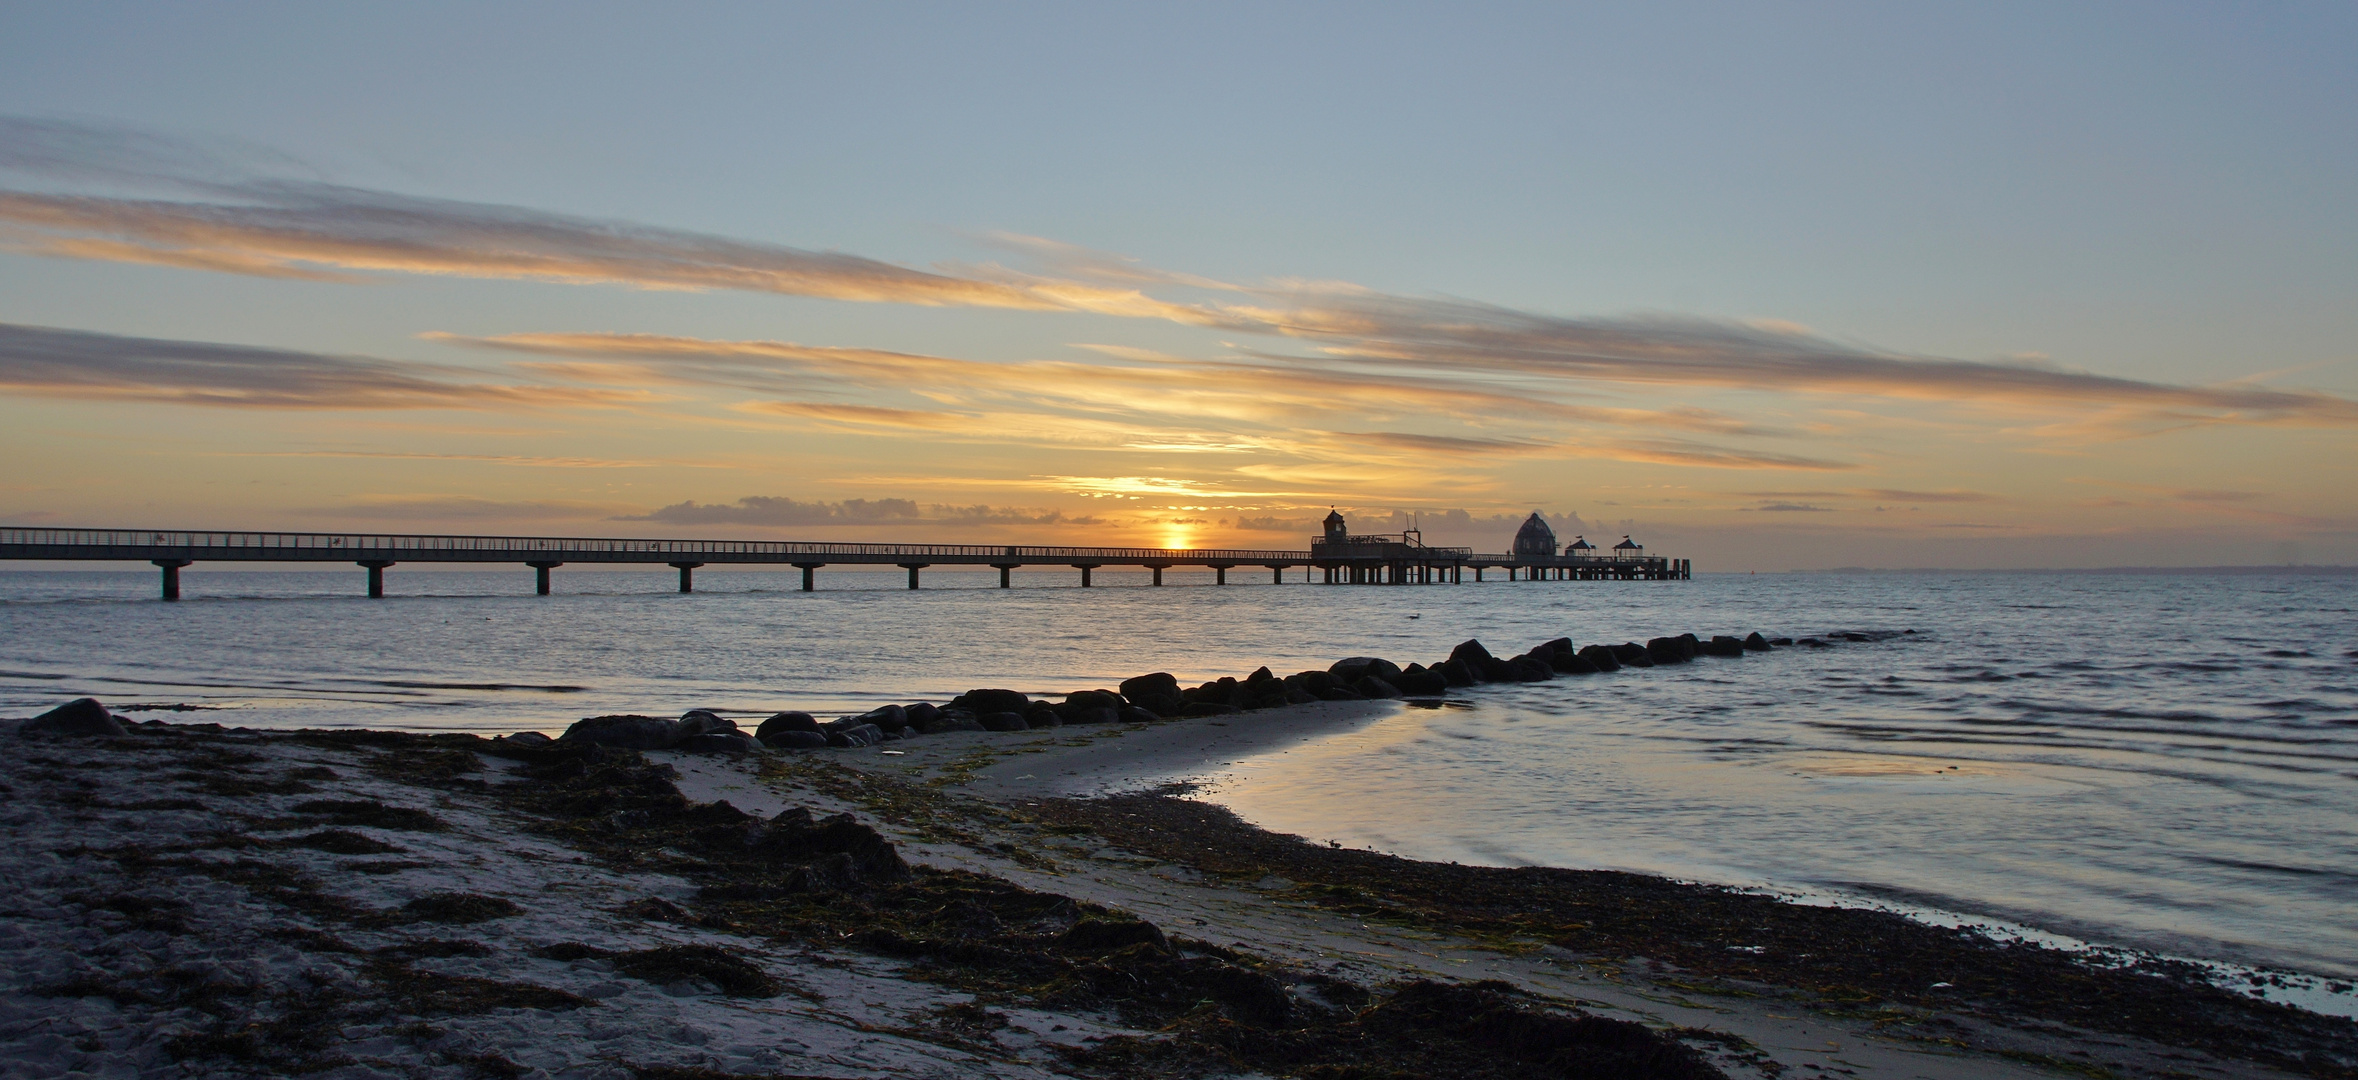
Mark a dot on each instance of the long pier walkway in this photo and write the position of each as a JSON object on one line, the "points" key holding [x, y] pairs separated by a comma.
{"points": [[172, 550]]}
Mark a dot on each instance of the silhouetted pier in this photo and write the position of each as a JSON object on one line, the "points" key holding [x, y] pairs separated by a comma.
{"points": [[1356, 560]]}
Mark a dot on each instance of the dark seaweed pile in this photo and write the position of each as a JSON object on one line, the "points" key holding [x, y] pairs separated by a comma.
{"points": [[834, 882], [1854, 960]]}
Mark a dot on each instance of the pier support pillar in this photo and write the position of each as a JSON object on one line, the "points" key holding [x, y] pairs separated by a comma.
{"points": [[541, 575], [376, 578], [912, 568], [687, 575], [171, 568], [809, 575], [1158, 574], [1084, 569], [1006, 573], [1219, 575]]}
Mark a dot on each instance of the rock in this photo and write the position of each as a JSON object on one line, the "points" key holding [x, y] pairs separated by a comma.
{"points": [[1723, 645], [1663, 650], [1813, 643], [1295, 695], [1005, 721], [1856, 637], [717, 742], [1132, 714], [1546, 649], [1422, 681], [1043, 718], [1369, 686], [696, 722], [953, 718], [793, 739], [887, 717], [986, 702], [1458, 672], [623, 732], [1209, 708], [81, 716], [1102, 714], [1528, 668], [1472, 652], [1601, 658], [1261, 674], [1157, 693], [1082, 703], [1493, 669], [779, 724], [1571, 662], [917, 715], [1350, 671], [1339, 693], [1632, 654], [1781, 642], [1315, 682], [526, 738], [1757, 643], [842, 735]]}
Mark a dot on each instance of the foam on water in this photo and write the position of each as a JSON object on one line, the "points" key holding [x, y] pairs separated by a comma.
{"points": [[2163, 762]]}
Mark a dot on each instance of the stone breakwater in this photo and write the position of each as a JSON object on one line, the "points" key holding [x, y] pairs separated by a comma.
{"points": [[1159, 696]]}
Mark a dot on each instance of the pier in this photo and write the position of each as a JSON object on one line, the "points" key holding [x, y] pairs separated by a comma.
{"points": [[1350, 560]]}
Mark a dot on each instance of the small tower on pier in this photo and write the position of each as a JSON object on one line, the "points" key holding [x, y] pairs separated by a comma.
{"points": [[1336, 531], [1535, 540], [1629, 549]]}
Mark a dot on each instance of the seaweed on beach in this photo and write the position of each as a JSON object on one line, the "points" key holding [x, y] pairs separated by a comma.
{"points": [[1727, 941], [828, 882]]}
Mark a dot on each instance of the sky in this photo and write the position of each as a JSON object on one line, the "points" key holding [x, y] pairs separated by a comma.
{"points": [[1765, 286]]}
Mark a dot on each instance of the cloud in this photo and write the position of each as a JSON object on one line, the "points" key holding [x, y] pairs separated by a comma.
{"points": [[862, 415], [237, 213], [1789, 508], [776, 510], [457, 508], [772, 510], [1897, 495], [108, 367]]}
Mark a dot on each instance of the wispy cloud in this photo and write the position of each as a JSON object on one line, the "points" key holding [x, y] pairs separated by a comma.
{"points": [[771, 510], [237, 216], [80, 364]]}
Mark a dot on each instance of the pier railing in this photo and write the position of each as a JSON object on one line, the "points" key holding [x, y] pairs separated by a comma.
{"points": [[1397, 564]]}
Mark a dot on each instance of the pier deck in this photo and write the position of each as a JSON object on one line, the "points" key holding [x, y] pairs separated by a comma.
{"points": [[170, 550]]}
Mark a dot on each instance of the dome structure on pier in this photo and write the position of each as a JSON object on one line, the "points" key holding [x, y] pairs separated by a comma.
{"points": [[1535, 540]]}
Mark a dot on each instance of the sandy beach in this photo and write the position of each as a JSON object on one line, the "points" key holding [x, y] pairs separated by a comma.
{"points": [[183, 901]]}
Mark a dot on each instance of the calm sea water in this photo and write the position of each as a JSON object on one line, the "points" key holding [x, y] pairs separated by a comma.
{"points": [[2162, 762]]}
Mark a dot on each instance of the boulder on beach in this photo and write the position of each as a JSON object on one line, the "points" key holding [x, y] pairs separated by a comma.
{"points": [[1601, 657], [1132, 714], [916, 715], [1209, 708], [1528, 668], [888, 717], [696, 722], [774, 727], [986, 702], [1472, 651], [1005, 720], [1350, 671], [1571, 662], [623, 732], [1723, 645], [1756, 643], [1341, 693], [1559, 645], [1664, 650], [717, 742], [952, 719], [81, 716], [1422, 682], [1157, 693], [1042, 715], [1371, 686], [842, 735], [526, 738], [1458, 672], [1315, 682], [1631, 654], [793, 739]]}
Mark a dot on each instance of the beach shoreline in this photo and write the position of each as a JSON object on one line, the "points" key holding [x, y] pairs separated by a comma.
{"points": [[1085, 815]]}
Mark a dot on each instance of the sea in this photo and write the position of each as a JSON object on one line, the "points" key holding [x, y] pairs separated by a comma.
{"points": [[2152, 763]]}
